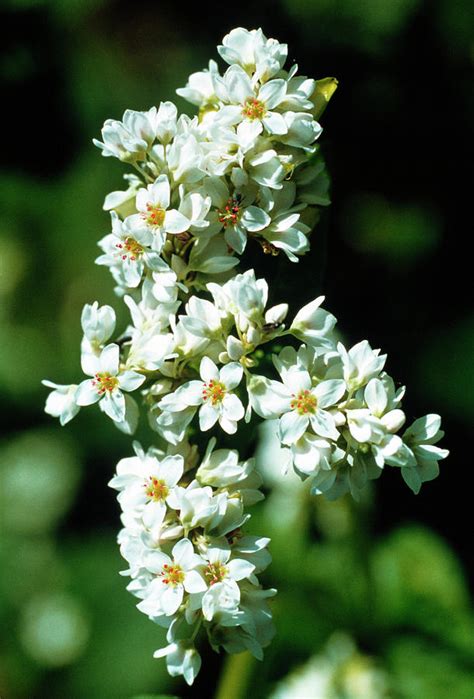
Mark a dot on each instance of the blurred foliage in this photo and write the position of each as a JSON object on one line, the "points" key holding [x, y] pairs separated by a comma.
{"points": [[390, 256]]}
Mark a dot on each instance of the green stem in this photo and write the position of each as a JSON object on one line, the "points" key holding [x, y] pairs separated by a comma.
{"points": [[235, 676]]}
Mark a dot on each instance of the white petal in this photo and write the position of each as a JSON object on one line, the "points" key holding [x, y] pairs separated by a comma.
{"points": [[292, 426], [182, 552], [236, 238], [171, 469], [159, 192], [275, 124], [240, 569], [175, 222], [272, 93], [130, 380], [208, 370], [231, 375], [208, 417], [113, 405], [329, 392], [171, 599], [109, 359], [248, 131], [193, 582], [87, 393], [232, 407], [323, 424], [375, 396], [154, 514], [254, 219]]}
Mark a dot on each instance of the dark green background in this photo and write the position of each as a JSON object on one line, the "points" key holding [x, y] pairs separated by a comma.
{"points": [[391, 256]]}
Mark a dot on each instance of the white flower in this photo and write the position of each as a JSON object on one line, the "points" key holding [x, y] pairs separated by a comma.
{"points": [[147, 486], [299, 404], [284, 230], [127, 250], [253, 52], [98, 323], [222, 576], [361, 363], [197, 505], [173, 576], [182, 659], [213, 394], [419, 457], [250, 108], [129, 139], [313, 325], [308, 406], [199, 89], [107, 383], [236, 212], [153, 204], [222, 467], [61, 402]]}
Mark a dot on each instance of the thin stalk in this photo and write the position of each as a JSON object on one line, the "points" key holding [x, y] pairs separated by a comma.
{"points": [[235, 676]]}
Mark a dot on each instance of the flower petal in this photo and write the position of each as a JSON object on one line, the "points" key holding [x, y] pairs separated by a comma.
{"points": [[292, 426], [231, 374], [329, 392]]}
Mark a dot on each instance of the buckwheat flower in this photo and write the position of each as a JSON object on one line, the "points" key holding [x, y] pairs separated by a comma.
{"points": [[222, 573], [123, 201], [107, 383], [284, 231], [197, 505], [222, 467], [253, 52], [249, 108], [236, 213], [61, 402], [147, 487], [314, 325], [302, 131], [182, 659], [184, 157], [213, 393], [174, 576], [361, 363], [299, 89], [128, 140], [419, 456], [199, 89], [266, 168], [153, 205], [311, 454], [98, 323], [300, 404], [128, 250], [202, 318]]}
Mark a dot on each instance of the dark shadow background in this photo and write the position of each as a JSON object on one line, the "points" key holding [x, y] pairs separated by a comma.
{"points": [[390, 254]]}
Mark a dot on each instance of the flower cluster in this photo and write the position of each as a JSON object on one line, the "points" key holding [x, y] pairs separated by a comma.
{"points": [[191, 565], [194, 351]]}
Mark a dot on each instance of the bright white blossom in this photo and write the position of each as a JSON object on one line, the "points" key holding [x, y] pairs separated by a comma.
{"points": [[107, 383]]}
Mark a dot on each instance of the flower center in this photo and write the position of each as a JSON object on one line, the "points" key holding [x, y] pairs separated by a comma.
{"points": [[215, 572], [214, 391], [130, 248], [104, 382], [155, 214], [156, 489], [172, 575], [231, 213], [254, 109], [304, 402]]}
